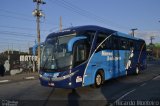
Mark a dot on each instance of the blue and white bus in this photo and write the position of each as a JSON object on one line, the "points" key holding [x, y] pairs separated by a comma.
{"points": [[89, 55]]}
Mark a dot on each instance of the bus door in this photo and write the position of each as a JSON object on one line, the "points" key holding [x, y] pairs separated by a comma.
{"points": [[110, 55], [115, 58], [80, 55], [124, 54], [81, 52]]}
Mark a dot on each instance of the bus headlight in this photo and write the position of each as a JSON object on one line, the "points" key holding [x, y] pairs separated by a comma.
{"points": [[70, 84], [64, 77], [40, 75]]}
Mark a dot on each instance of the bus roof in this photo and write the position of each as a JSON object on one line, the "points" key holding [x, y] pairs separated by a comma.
{"points": [[93, 28], [80, 28]]}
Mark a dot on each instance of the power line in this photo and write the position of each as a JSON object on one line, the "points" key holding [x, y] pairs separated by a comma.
{"points": [[82, 12], [16, 43], [12, 12], [20, 33], [22, 44], [22, 18], [17, 18], [22, 28], [9, 38], [75, 10], [17, 33]]}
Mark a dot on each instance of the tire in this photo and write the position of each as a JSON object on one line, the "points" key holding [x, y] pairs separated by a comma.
{"points": [[126, 72], [98, 81]]}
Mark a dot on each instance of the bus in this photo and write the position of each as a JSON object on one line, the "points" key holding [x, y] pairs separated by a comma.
{"points": [[89, 55]]}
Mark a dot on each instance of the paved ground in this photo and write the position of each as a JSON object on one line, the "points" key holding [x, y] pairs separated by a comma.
{"points": [[18, 77], [131, 89]]}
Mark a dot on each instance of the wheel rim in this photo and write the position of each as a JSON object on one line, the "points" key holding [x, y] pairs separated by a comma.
{"points": [[98, 79], [137, 70], [126, 73]]}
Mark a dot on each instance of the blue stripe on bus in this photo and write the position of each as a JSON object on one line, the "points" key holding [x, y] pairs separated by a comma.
{"points": [[73, 40]]}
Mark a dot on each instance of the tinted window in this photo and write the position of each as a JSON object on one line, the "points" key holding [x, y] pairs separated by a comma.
{"points": [[123, 44], [131, 44], [89, 34], [100, 38], [115, 43], [109, 44], [138, 45], [81, 53]]}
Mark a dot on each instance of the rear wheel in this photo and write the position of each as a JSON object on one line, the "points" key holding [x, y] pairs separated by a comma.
{"points": [[126, 72]]}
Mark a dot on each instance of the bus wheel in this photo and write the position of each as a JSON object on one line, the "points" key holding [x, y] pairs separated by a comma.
{"points": [[98, 79], [126, 72]]}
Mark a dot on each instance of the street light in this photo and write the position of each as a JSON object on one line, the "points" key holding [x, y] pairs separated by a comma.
{"points": [[39, 1], [133, 31]]}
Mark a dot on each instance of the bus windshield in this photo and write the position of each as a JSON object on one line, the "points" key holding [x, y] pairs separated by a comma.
{"points": [[55, 56]]}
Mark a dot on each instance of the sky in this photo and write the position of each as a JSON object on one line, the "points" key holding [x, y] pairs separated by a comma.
{"points": [[18, 25]]}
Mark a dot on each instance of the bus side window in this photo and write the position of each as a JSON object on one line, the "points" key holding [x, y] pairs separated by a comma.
{"points": [[109, 43], [123, 44], [115, 43], [131, 44], [89, 34], [101, 37], [81, 53], [138, 45]]}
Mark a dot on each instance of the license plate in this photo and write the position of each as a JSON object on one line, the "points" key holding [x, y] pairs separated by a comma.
{"points": [[51, 84]]}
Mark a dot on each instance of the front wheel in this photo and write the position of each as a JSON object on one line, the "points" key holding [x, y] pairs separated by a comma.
{"points": [[98, 80]]}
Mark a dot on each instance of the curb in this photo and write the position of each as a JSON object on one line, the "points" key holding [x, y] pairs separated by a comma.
{"points": [[22, 79], [29, 78], [3, 81]]}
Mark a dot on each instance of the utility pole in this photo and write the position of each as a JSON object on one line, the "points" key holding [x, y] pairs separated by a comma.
{"points": [[151, 44], [133, 31], [60, 24], [8, 53], [151, 38], [38, 14], [28, 47], [12, 48], [19, 49]]}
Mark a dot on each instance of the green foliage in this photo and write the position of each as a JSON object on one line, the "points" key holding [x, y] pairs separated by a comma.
{"points": [[157, 45]]}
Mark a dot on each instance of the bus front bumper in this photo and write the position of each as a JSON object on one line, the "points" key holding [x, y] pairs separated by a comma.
{"points": [[66, 81]]}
